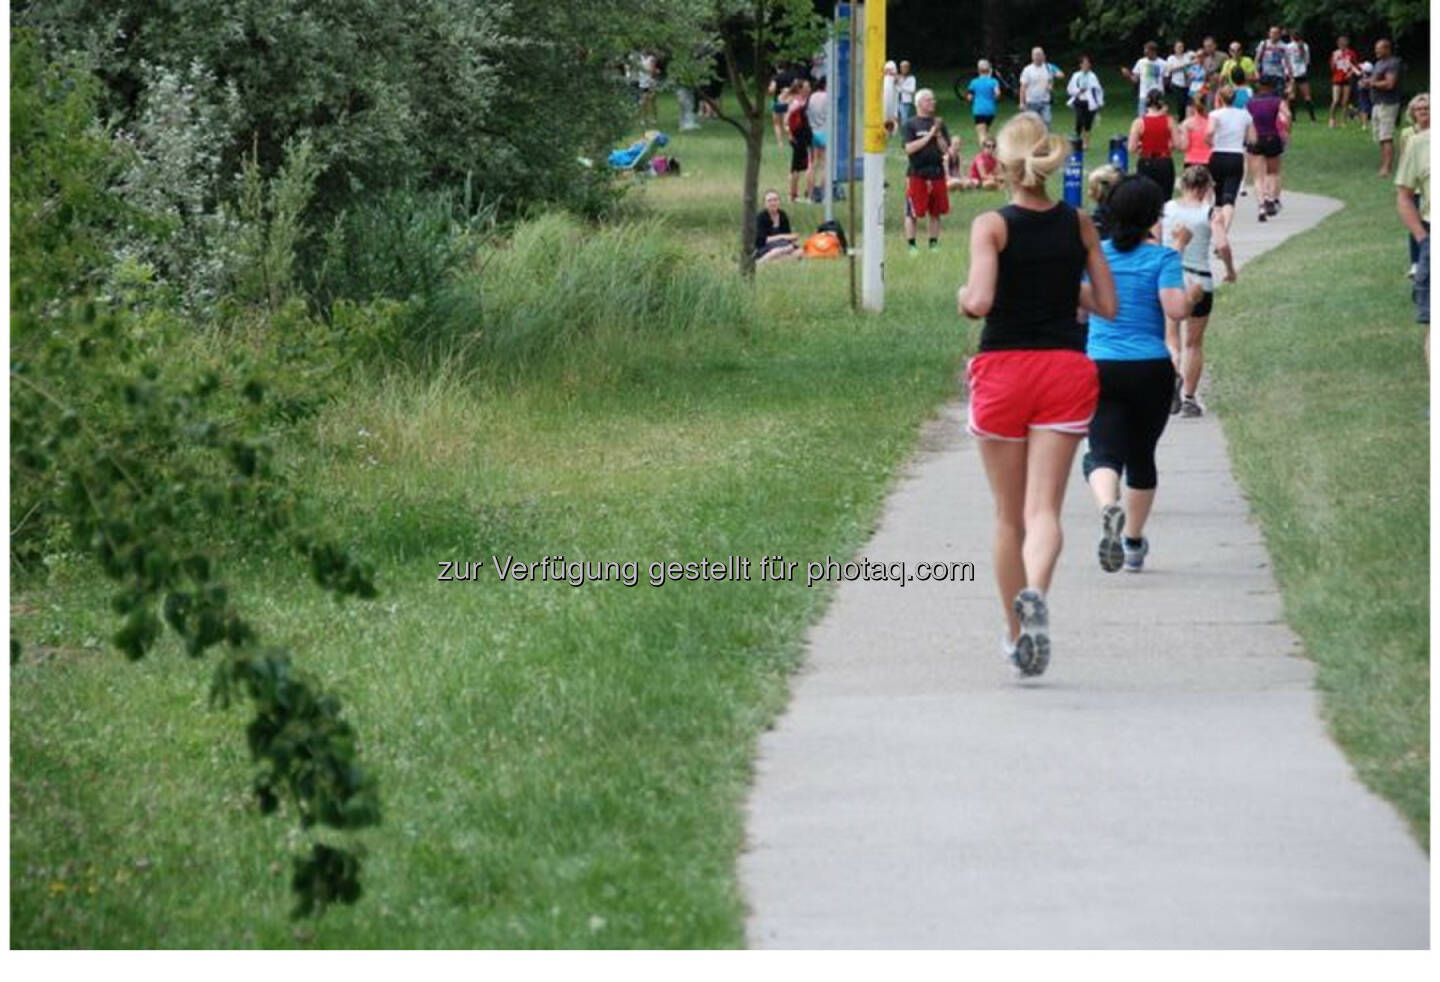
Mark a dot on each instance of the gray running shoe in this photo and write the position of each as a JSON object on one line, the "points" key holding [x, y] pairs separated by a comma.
{"points": [[1112, 545], [1032, 647], [1190, 409], [1135, 558]]}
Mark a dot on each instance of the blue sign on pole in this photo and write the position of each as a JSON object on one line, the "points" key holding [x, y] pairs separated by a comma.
{"points": [[844, 152]]}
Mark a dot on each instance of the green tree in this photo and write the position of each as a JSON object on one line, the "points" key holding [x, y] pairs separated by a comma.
{"points": [[152, 464]]}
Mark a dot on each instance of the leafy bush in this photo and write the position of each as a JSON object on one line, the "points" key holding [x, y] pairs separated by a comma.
{"points": [[145, 458]]}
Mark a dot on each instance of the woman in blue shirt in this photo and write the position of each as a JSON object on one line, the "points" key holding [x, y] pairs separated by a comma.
{"points": [[982, 95], [1137, 378]]}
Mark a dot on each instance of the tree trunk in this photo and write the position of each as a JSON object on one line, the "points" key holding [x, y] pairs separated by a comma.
{"points": [[994, 24], [750, 193]]}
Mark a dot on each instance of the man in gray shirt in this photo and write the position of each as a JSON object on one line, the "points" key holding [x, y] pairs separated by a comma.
{"points": [[1385, 99]]}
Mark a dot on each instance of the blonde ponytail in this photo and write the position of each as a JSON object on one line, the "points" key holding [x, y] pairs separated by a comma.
{"points": [[1028, 153]]}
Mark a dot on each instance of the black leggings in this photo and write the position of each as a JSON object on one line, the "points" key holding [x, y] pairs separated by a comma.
{"points": [[1133, 410], [1161, 170]]}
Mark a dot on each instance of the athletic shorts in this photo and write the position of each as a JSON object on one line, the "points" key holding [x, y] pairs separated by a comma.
{"points": [[1227, 169], [1268, 146], [1207, 302], [1382, 120], [927, 196], [800, 152], [1014, 392], [987, 119]]}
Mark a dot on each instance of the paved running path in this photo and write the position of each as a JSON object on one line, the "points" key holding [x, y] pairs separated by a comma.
{"points": [[1168, 783]]}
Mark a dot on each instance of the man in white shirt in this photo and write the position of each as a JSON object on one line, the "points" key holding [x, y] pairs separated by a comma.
{"points": [[1148, 75], [1035, 83]]}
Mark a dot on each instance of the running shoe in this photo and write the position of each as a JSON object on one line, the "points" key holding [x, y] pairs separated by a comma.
{"points": [[913, 250], [934, 247], [1272, 208], [1112, 525], [1175, 397], [1135, 558], [1262, 216], [1190, 409], [1032, 646]]}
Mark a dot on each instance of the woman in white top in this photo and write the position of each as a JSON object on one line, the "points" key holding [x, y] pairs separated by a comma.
{"points": [[1176, 84], [1228, 131], [1203, 226], [1087, 96], [1298, 53]]}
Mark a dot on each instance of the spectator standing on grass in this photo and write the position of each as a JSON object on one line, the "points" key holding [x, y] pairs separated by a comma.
{"points": [[1177, 78], [982, 94], [926, 142], [780, 85], [1363, 103], [649, 83], [1147, 75], [817, 109], [1036, 81], [1343, 69], [1238, 59], [1137, 377], [1209, 60], [1384, 85], [906, 87], [1412, 200], [1299, 52], [1418, 113], [890, 98], [1088, 97], [1272, 59], [798, 124], [774, 239], [1032, 389], [1154, 138]]}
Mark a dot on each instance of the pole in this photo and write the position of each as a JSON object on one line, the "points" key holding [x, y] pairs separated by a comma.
{"points": [[832, 73], [849, 151], [873, 279]]}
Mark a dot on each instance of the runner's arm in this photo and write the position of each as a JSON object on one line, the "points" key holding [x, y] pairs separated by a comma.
{"points": [[977, 295], [1409, 213], [1097, 295]]}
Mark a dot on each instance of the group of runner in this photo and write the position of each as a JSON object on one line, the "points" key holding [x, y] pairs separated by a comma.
{"points": [[1139, 270]]}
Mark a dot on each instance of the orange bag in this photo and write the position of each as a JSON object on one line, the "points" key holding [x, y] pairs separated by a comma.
{"points": [[823, 245]]}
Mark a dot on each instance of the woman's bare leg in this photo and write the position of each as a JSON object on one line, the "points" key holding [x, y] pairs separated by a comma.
{"points": [[1005, 467]]}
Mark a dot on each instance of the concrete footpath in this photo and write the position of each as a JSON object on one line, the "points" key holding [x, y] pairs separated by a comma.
{"points": [[1168, 783]]}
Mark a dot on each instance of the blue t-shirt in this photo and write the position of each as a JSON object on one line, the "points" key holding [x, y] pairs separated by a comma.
{"points": [[984, 89], [1138, 331], [1242, 97]]}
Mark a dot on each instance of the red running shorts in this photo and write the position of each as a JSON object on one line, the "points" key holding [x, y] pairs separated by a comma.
{"points": [[1014, 392]]}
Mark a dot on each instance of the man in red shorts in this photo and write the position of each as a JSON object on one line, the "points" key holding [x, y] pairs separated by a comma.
{"points": [[926, 142]]}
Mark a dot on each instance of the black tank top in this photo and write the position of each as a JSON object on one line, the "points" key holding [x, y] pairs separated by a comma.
{"points": [[1038, 289]]}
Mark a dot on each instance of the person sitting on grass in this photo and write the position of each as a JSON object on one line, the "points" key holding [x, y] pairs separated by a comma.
{"points": [[985, 169], [773, 236], [955, 179]]}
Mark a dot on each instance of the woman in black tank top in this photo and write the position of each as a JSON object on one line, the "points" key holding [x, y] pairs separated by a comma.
{"points": [[1032, 389]]}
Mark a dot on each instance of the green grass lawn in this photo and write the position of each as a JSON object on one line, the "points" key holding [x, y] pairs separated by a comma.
{"points": [[565, 767]]}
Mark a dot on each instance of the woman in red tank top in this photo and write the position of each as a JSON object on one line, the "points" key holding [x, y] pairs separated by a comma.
{"points": [[1153, 138]]}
